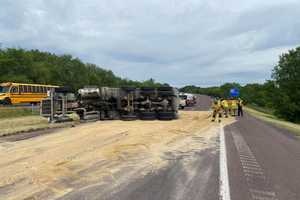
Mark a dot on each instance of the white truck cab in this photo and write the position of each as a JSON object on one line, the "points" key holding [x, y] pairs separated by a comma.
{"points": [[182, 100]]}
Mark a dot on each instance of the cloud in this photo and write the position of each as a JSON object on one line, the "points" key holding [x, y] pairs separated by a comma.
{"points": [[180, 42]]}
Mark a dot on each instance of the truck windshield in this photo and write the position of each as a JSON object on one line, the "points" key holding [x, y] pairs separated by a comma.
{"points": [[4, 89]]}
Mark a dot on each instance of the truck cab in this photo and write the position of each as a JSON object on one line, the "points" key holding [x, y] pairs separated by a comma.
{"points": [[182, 100]]}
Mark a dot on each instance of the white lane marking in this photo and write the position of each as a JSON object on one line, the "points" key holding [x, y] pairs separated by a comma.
{"points": [[224, 178], [253, 172]]}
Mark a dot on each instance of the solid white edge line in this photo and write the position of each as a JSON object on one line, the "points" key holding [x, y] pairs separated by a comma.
{"points": [[224, 178]]}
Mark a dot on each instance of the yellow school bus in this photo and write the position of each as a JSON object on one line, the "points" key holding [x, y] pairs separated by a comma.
{"points": [[15, 93]]}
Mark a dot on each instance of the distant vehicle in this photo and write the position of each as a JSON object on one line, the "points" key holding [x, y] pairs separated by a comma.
{"points": [[15, 93], [190, 100], [182, 100]]}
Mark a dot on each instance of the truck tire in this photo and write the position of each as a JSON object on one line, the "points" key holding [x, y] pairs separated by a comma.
{"points": [[147, 91], [166, 91], [148, 116], [128, 117], [128, 89], [167, 115]]}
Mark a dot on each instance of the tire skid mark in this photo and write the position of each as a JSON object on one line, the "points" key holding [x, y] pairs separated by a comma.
{"points": [[259, 187]]}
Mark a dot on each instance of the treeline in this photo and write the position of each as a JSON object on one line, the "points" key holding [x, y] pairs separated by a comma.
{"points": [[34, 66], [280, 94]]}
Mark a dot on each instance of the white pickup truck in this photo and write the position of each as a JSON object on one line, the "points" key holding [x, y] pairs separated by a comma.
{"points": [[182, 100]]}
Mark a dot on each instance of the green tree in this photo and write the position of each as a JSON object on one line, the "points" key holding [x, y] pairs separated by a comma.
{"points": [[34, 66], [287, 80]]}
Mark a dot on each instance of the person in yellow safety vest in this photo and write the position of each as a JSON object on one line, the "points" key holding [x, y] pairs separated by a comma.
{"points": [[229, 105], [225, 106], [217, 110], [234, 106], [240, 107]]}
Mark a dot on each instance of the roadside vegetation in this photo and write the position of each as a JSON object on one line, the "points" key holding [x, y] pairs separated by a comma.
{"points": [[11, 112], [34, 66], [24, 124], [294, 128], [281, 94]]}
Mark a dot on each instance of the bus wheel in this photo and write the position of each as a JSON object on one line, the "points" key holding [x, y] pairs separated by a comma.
{"points": [[7, 101]]}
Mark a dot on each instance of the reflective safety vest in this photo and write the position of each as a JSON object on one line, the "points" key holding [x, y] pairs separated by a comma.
{"points": [[234, 104], [216, 107], [225, 103]]}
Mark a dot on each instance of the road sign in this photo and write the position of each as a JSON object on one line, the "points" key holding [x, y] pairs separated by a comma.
{"points": [[234, 92]]}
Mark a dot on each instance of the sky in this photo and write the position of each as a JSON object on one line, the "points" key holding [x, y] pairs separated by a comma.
{"points": [[190, 42]]}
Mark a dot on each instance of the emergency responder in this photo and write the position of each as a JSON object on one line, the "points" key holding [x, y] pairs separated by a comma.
{"points": [[229, 106], [217, 110], [234, 107], [240, 107], [225, 107]]}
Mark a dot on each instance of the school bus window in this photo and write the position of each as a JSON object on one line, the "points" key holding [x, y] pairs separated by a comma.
{"points": [[4, 89], [25, 88], [21, 89], [14, 89]]}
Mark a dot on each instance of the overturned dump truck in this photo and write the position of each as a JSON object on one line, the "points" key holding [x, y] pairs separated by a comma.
{"points": [[104, 103]]}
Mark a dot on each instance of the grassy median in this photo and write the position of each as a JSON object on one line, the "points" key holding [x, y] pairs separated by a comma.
{"points": [[12, 112], [15, 120], [295, 128]]}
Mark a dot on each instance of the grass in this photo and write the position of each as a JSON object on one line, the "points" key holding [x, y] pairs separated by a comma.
{"points": [[268, 117], [11, 112], [25, 124], [15, 120], [261, 109]]}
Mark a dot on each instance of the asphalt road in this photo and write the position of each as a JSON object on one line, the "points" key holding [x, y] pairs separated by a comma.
{"points": [[203, 104], [263, 163]]}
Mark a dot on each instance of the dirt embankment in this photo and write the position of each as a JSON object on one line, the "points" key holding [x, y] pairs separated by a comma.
{"points": [[53, 165]]}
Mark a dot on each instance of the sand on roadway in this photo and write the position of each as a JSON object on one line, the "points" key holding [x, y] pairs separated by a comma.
{"points": [[103, 152]]}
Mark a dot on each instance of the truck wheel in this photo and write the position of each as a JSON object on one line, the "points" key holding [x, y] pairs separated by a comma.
{"points": [[147, 91], [167, 115], [128, 89], [166, 91], [147, 115], [128, 117]]}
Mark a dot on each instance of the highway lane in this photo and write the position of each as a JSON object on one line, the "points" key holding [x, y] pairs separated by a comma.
{"points": [[203, 104], [263, 161]]}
